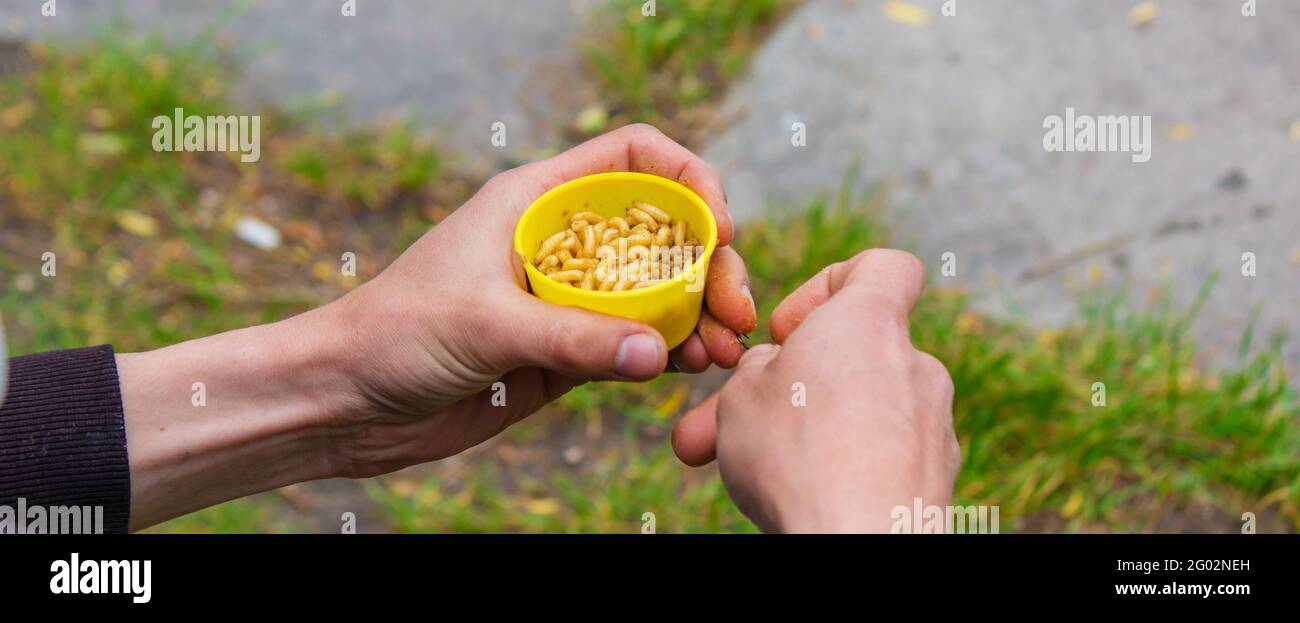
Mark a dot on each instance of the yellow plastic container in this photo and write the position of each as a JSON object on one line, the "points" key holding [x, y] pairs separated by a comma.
{"points": [[672, 307]]}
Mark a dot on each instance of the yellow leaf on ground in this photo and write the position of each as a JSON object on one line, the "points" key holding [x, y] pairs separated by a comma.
{"points": [[592, 119], [906, 13], [1046, 337], [15, 115], [1143, 13], [542, 506], [105, 144], [323, 271], [138, 224], [402, 486], [673, 402], [1073, 504], [1181, 132], [968, 322], [100, 117], [119, 271], [1095, 274]]}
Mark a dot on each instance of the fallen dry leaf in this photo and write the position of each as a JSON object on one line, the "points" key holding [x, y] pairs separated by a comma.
{"points": [[1181, 132], [1142, 14], [906, 13], [137, 223], [542, 506]]}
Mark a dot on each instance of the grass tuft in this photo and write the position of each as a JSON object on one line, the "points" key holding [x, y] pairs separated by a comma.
{"points": [[666, 69], [143, 241]]}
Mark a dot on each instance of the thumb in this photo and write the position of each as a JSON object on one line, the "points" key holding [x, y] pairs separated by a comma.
{"points": [[695, 436], [584, 344], [756, 359]]}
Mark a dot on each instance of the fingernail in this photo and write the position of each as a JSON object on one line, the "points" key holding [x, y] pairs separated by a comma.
{"points": [[638, 357], [748, 294]]}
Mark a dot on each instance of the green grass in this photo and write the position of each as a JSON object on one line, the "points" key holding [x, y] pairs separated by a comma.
{"points": [[79, 171], [382, 166], [660, 69], [146, 257], [1170, 436], [611, 493], [259, 514], [145, 253]]}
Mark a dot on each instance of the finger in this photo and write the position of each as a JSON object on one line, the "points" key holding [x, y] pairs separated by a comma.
{"points": [[723, 346], [756, 359], [726, 291], [644, 149], [792, 311], [583, 344], [887, 279], [690, 356], [695, 436]]}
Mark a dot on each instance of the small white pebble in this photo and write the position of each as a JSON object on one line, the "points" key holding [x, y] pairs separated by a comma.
{"points": [[257, 232]]}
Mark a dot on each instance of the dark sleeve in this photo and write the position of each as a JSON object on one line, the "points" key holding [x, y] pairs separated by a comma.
{"points": [[62, 437]]}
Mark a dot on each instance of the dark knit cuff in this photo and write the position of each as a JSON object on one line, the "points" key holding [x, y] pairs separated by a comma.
{"points": [[63, 439]]}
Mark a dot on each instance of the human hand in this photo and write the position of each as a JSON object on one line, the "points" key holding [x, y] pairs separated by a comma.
{"points": [[431, 335], [404, 368], [876, 430]]}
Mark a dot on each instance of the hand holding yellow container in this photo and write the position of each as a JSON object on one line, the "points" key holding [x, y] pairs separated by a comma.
{"points": [[672, 306]]}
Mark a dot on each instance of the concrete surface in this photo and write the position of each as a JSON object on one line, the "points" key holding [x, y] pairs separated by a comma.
{"points": [[458, 66], [952, 114]]}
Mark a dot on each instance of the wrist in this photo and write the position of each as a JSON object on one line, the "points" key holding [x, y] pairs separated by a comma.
{"points": [[230, 415], [832, 517]]}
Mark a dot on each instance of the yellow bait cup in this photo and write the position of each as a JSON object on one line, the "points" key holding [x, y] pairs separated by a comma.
{"points": [[672, 307]]}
